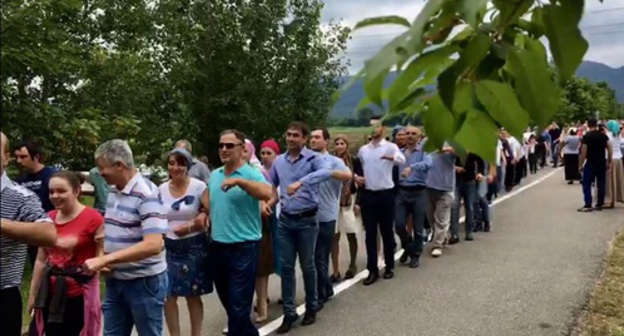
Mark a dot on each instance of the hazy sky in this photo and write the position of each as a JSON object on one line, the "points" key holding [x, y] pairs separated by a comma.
{"points": [[602, 25]]}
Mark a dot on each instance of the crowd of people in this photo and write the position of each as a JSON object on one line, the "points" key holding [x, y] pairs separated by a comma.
{"points": [[230, 229]]}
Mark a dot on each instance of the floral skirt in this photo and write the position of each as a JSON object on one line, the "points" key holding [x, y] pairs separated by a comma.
{"points": [[187, 266]]}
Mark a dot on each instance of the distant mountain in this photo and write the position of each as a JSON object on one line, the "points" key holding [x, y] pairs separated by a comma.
{"points": [[345, 107], [597, 72]]}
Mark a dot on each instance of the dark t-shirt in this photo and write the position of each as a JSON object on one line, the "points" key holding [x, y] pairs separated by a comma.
{"points": [[39, 184], [596, 143]]}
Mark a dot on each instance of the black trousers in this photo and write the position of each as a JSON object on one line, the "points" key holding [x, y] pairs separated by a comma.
{"points": [[11, 311], [377, 209]]}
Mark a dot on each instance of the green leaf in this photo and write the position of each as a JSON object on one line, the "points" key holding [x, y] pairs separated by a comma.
{"points": [[501, 103], [431, 60], [537, 21], [475, 51], [383, 20], [440, 124], [511, 10], [463, 98], [567, 44], [478, 134], [537, 92], [471, 11]]}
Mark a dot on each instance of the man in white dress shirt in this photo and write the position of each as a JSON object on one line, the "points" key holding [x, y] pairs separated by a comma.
{"points": [[378, 157]]}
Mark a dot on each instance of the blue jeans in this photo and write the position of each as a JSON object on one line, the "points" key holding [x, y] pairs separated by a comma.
{"points": [[324, 242], [411, 201], [297, 237], [591, 174], [465, 191], [137, 302], [481, 206], [234, 267]]}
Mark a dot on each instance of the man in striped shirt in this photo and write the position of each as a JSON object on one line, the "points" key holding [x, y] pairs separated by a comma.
{"points": [[23, 222], [134, 225]]}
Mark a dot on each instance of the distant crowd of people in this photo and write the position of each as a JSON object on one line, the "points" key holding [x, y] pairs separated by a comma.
{"points": [[230, 229]]}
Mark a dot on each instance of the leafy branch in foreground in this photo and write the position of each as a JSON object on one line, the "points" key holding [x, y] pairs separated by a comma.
{"points": [[493, 72]]}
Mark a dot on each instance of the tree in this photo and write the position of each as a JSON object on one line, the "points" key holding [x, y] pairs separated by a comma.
{"points": [[78, 72], [247, 66], [581, 99], [493, 72]]}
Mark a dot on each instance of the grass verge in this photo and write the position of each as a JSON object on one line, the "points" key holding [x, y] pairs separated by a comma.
{"points": [[604, 315]]}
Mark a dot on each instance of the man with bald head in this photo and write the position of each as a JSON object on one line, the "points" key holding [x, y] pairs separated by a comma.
{"points": [[198, 169], [23, 222], [411, 197]]}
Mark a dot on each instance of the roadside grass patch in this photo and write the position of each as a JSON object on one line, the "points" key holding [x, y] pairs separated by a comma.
{"points": [[604, 315]]}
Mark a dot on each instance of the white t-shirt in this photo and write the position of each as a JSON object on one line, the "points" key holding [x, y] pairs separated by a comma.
{"points": [[517, 148], [188, 209]]}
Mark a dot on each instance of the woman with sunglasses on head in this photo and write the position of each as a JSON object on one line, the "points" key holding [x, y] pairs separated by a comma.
{"points": [[347, 220], [186, 242], [64, 298]]}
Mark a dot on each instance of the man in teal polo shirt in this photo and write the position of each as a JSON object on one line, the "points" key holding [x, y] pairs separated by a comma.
{"points": [[236, 190]]}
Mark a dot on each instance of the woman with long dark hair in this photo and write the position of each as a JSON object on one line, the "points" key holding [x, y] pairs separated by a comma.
{"points": [[64, 298], [571, 150]]}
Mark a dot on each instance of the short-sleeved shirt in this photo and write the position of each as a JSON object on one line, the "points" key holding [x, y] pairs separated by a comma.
{"points": [[131, 213], [184, 209], [234, 214], [39, 183], [16, 204], [572, 144], [100, 189], [84, 227], [200, 171], [596, 143], [329, 192]]}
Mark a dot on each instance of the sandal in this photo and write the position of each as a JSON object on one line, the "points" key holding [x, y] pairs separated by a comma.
{"points": [[334, 278]]}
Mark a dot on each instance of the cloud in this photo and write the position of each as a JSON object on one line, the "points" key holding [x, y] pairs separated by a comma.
{"points": [[602, 26]]}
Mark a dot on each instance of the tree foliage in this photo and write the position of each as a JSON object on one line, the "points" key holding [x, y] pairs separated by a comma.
{"points": [[493, 72], [78, 72], [581, 99]]}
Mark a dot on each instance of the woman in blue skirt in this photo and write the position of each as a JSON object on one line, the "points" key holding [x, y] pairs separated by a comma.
{"points": [[186, 242]]}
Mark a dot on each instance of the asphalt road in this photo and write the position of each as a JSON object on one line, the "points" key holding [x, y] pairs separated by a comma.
{"points": [[529, 276]]}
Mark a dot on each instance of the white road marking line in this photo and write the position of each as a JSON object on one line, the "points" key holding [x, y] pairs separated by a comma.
{"points": [[344, 285]]}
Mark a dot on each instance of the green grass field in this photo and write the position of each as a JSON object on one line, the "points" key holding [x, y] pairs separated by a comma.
{"points": [[356, 135]]}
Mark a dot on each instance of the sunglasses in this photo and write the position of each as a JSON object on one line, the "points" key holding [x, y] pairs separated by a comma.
{"points": [[228, 145]]}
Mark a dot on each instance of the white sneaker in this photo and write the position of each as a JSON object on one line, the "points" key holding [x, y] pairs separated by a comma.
{"points": [[436, 252], [225, 331]]}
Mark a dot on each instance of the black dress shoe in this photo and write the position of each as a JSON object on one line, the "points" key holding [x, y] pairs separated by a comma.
{"points": [[371, 279], [453, 240], [287, 324], [308, 319], [414, 262], [478, 227], [388, 273], [404, 256], [486, 227]]}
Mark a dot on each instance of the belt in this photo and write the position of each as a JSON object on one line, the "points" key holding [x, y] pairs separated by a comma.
{"points": [[304, 214], [413, 187]]}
